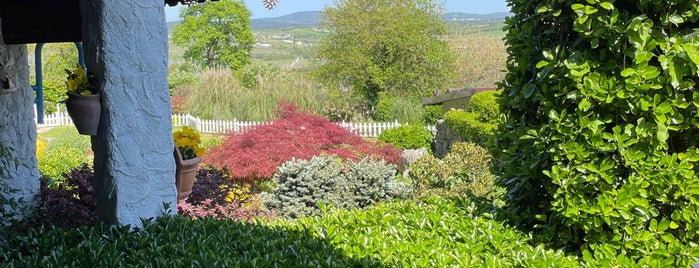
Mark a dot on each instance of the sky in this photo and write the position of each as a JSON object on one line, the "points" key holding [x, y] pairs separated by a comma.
{"points": [[286, 7]]}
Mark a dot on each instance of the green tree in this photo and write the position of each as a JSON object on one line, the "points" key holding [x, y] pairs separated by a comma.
{"points": [[215, 34], [392, 46], [56, 57], [599, 149]]}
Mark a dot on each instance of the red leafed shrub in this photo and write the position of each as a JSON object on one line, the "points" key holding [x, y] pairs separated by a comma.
{"points": [[256, 154]]}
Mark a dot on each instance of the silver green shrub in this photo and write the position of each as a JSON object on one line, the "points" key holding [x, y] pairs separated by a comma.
{"points": [[301, 185]]}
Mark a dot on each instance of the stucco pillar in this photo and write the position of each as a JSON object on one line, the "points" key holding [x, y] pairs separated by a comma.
{"points": [[18, 166], [126, 48]]}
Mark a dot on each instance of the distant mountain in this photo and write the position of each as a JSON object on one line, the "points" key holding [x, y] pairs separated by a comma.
{"points": [[312, 19], [298, 19]]}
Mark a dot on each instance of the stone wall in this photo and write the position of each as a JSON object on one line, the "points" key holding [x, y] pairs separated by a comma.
{"points": [[17, 128]]}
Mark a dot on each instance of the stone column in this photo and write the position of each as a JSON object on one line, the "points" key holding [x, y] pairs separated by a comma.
{"points": [[126, 48], [18, 166]]}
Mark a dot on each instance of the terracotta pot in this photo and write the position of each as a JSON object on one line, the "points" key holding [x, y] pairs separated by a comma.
{"points": [[185, 174], [85, 111]]}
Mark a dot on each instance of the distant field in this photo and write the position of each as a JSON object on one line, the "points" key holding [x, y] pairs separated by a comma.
{"points": [[293, 47]]}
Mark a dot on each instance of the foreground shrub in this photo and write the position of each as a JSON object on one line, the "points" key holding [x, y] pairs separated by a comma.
{"points": [[599, 149], [408, 137], [71, 204], [464, 170], [255, 155], [215, 194], [438, 233], [301, 185], [174, 241]]}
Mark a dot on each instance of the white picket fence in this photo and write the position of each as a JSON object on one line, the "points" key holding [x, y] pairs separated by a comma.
{"points": [[364, 129]]}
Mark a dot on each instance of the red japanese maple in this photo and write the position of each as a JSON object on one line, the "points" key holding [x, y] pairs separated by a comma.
{"points": [[256, 154]]}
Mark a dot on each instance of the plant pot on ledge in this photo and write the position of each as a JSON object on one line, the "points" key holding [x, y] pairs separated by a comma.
{"points": [[185, 174], [85, 111]]}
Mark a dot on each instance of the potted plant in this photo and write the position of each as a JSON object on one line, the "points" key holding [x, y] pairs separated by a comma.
{"points": [[187, 157], [83, 103]]}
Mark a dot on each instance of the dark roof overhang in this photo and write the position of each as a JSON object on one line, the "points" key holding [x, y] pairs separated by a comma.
{"points": [[47, 21]]}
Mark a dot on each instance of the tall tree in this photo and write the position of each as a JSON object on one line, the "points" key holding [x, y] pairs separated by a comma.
{"points": [[215, 34], [392, 46]]}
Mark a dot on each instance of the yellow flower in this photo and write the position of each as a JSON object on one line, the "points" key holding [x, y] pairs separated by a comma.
{"points": [[78, 82], [187, 141]]}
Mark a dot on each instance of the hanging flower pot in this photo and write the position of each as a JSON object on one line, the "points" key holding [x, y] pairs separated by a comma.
{"points": [[85, 111], [83, 103], [185, 174]]}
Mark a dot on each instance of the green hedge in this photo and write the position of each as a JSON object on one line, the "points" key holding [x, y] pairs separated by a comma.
{"points": [[408, 137], [599, 149], [469, 126], [438, 233]]}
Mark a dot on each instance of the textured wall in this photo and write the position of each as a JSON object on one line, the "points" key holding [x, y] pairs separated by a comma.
{"points": [[17, 128], [126, 48]]}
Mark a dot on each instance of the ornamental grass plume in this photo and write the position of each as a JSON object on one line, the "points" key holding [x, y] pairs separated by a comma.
{"points": [[187, 141]]}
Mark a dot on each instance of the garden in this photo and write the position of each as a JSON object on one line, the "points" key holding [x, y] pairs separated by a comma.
{"points": [[585, 155], [319, 196]]}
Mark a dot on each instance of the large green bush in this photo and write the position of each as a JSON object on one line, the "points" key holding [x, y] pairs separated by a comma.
{"points": [[480, 121], [408, 137], [469, 126], [301, 185], [599, 149], [485, 104]]}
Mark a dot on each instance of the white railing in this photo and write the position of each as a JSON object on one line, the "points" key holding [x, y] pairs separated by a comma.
{"points": [[366, 130]]}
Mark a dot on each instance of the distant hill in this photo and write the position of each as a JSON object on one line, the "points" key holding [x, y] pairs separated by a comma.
{"points": [[312, 19], [298, 19]]}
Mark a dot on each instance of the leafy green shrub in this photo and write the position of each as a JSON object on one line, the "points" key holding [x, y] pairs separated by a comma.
{"points": [[485, 104], [53, 163], [465, 169], [479, 123], [431, 114], [408, 137], [301, 185], [469, 126], [204, 242], [599, 149], [435, 233]]}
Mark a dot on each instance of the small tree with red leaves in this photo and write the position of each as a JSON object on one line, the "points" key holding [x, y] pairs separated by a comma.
{"points": [[255, 155]]}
